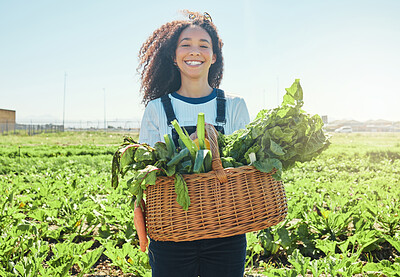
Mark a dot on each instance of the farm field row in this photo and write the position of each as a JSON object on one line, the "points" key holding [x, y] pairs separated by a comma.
{"points": [[59, 215]]}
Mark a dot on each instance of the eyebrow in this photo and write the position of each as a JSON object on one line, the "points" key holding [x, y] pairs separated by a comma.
{"points": [[202, 39]]}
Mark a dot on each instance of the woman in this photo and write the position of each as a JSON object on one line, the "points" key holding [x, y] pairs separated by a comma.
{"points": [[181, 69]]}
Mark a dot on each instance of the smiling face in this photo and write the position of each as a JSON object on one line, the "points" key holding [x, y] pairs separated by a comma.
{"points": [[194, 54]]}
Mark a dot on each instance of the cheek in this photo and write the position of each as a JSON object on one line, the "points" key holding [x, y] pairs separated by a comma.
{"points": [[209, 54], [179, 54]]}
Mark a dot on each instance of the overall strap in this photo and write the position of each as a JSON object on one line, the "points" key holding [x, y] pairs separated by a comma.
{"points": [[169, 111], [220, 107]]}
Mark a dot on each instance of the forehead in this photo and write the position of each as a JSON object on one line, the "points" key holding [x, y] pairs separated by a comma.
{"points": [[194, 32]]}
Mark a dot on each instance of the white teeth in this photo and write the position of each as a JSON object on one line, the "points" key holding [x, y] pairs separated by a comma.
{"points": [[193, 62]]}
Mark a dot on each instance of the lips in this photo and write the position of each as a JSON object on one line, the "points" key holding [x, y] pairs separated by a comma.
{"points": [[194, 63]]}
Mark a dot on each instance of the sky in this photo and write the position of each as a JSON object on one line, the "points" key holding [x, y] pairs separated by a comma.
{"points": [[346, 54]]}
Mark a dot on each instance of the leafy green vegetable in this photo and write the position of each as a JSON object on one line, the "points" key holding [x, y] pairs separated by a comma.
{"points": [[203, 160], [279, 137], [179, 157], [144, 163], [185, 138], [201, 130], [170, 145], [161, 151], [144, 154]]}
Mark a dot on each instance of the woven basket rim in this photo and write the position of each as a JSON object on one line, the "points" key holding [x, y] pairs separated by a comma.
{"points": [[228, 169], [212, 174]]}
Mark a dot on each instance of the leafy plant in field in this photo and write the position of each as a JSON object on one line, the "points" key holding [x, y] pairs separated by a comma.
{"points": [[384, 267], [386, 215], [341, 265], [277, 238], [47, 193], [305, 239], [55, 205], [128, 258], [299, 262], [254, 249], [333, 224], [67, 254]]}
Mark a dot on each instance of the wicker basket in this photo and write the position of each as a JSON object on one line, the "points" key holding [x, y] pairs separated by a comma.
{"points": [[224, 202]]}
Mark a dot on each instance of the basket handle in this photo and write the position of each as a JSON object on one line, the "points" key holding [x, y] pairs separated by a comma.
{"points": [[212, 135]]}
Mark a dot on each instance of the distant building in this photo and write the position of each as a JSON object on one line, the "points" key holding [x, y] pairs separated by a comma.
{"points": [[7, 120], [367, 126]]}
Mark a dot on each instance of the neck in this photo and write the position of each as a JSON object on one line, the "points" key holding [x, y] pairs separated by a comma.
{"points": [[194, 88]]}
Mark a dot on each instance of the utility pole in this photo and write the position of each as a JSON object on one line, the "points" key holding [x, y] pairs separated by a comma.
{"points": [[65, 89]]}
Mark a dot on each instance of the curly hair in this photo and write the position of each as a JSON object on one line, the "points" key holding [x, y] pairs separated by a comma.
{"points": [[158, 73]]}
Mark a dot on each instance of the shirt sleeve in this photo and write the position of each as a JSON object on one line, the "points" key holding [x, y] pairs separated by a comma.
{"points": [[237, 114], [150, 127], [242, 117]]}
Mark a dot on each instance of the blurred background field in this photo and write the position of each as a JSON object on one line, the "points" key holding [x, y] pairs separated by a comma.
{"points": [[357, 140], [68, 138]]}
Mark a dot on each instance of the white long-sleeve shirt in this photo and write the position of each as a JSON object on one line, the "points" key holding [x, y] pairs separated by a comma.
{"points": [[154, 122]]}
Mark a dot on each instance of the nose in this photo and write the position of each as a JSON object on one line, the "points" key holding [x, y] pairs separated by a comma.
{"points": [[194, 52]]}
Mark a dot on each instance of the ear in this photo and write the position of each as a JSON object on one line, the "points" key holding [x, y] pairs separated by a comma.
{"points": [[214, 58]]}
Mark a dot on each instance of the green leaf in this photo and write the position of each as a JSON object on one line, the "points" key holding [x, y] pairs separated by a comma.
{"points": [[115, 170], [284, 237], [185, 138], [367, 240], [393, 242], [170, 170], [203, 161], [344, 246], [294, 93], [143, 154], [179, 157], [198, 162], [282, 112], [276, 149], [161, 151], [299, 262], [327, 246], [287, 100], [186, 166], [127, 155], [182, 193], [148, 176], [208, 161], [87, 260], [268, 165], [170, 145]]}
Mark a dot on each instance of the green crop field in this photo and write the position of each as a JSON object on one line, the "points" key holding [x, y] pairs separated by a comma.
{"points": [[59, 215]]}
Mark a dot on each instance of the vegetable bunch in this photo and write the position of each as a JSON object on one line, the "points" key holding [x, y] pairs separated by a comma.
{"points": [[277, 138], [142, 163]]}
